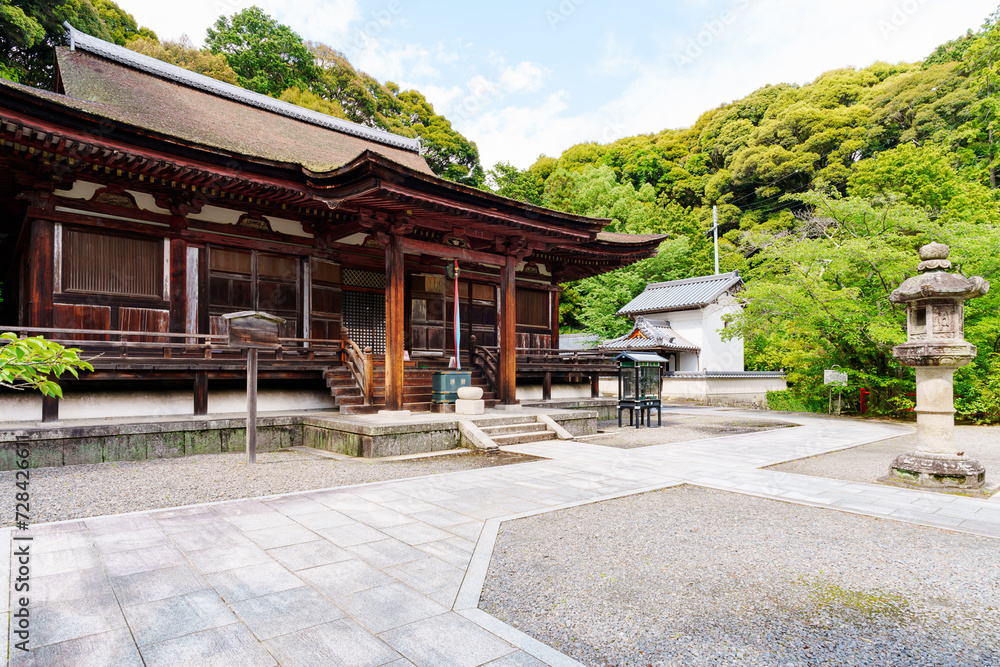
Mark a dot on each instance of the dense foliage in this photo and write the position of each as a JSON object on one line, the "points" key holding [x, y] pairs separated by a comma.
{"points": [[31, 29], [184, 54], [825, 192]]}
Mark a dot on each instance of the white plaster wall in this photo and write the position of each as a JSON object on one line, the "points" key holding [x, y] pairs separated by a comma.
{"points": [[687, 323], [748, 390], [533, 392], [101, 405], [85, 190], [735, 391], [717, 354], [228, 216]]}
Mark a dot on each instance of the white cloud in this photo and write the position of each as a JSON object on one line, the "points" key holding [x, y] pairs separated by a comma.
{"points": [[410, 61], [322, 20], [526, 77], [443, 98]]}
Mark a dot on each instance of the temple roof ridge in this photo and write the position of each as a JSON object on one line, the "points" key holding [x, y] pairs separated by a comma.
{"points": [[125, 56]]}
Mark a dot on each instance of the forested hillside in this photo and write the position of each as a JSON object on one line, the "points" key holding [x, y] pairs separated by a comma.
{"points": [[249, 49], [824, 193]]}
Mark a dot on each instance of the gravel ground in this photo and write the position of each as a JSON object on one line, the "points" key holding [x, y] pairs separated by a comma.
{"points": [[680, 428], [71, 492], [869, 462], [690, 576]]}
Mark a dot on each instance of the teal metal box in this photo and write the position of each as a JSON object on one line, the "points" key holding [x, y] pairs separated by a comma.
{"points": [[445, 384]]}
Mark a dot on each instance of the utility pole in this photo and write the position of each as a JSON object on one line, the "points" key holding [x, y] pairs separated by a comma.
{"points": [[715, 235]]}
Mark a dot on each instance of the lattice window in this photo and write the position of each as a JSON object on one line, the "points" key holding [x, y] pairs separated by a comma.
{"points": [[364, 319], [356, 278], [104, 263]]}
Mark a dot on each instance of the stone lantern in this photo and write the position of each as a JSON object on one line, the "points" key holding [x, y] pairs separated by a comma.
{"points": [[935, 346]]}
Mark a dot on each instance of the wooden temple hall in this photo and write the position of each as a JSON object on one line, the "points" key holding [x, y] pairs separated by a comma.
{"points": [[140, 202]]}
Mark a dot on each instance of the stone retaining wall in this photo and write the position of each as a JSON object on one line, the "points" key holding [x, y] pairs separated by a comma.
{"points": [[59, 445]]}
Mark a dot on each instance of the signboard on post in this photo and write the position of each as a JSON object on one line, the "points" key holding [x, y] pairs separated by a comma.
{"points": [[254, 331], [832, 377], [835, 377]]}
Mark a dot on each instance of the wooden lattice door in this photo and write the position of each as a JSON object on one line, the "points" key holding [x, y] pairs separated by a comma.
{"points": [[364, 319]]}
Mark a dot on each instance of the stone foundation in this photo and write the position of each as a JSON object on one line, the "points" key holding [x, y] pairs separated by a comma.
{"points": [[62, 444], [937, 471], [74, 445]]}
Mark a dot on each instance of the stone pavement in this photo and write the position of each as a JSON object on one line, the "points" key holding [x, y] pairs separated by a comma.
{"points": [[387, 573]]}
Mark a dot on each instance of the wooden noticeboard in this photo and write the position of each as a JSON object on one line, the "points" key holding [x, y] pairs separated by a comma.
{"points": [[253, 330]]}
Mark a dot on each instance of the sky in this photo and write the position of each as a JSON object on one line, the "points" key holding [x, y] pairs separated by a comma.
{"points": [[522, 79]]}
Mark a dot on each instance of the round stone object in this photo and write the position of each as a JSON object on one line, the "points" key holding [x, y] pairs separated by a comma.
{"points": [[470, 393]]}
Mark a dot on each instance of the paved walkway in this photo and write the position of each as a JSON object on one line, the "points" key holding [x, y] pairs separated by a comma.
{"points": [[387, 573]]}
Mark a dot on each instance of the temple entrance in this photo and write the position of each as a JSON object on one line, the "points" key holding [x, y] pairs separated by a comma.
{"points": [[431, 314]]}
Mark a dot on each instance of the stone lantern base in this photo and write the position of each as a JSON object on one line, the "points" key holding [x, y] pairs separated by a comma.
{"points": [[944, 472]]}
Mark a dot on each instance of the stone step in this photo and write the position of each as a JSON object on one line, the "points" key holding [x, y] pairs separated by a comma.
{"points": [[510, 429], [521, 438]]}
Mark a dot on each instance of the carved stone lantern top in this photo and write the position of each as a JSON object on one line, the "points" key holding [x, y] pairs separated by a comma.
{"points": [[935, 281], [934, 311]]}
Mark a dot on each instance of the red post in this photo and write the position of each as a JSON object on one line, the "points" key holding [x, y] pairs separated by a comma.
{"points": [[394, 323], [508, 333]]}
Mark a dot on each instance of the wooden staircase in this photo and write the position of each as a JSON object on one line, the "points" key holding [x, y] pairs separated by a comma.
{"points": [[417, 385]]}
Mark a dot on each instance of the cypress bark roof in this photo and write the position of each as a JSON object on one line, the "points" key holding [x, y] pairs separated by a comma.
{"points": [[122, 85]]}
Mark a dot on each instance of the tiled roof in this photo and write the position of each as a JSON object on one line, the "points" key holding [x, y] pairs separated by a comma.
{"points": [[128, 87], [650, 335], [582, 341], [681, 294]]}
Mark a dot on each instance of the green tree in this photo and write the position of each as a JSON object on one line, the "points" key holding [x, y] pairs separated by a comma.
{"points": [[447, 152], [817, 295], [31, 363], [31, 29], [310, 100], [183, 54], [268, 57], [509, 181], [120, 25], [597, 299]]}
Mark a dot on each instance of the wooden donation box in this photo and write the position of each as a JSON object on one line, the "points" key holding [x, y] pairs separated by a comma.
{"points": [[253, 331]]}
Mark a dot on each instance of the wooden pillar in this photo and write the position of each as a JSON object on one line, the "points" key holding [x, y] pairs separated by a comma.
{"points": [[394, 323], [508, 333], [595, 385], [40, 273], [178, 286], [39, 292], [50, 409], [252, 405], [547, 386], [201, 392], [555, 318]]}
